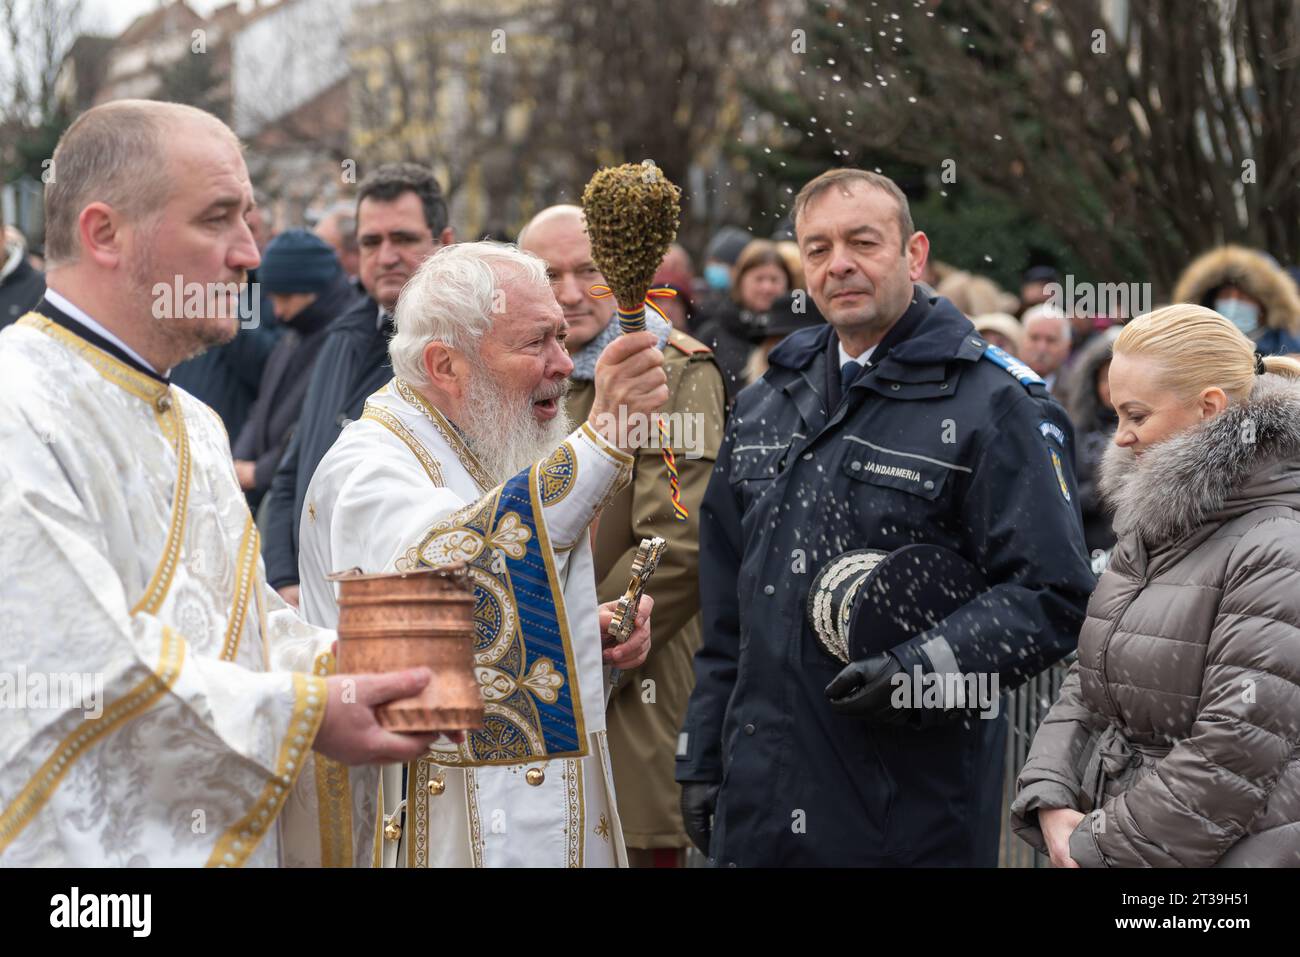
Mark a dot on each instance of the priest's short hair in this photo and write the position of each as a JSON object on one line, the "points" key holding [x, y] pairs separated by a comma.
{"points": [[114, 153]]}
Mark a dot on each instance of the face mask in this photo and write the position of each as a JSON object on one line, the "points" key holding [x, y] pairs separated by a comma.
{"points": [[718, 276], [1244, 315]]}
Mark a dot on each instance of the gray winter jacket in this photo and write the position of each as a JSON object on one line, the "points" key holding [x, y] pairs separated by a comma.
{"points": [[1178, 730]]}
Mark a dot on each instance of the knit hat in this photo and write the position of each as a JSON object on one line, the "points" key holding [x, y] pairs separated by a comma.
{"points": [[298, 261], [1040, 274], [727, 244]]}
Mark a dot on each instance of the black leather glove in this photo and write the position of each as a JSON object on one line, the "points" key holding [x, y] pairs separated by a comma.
{"points": [[865, 689], [699, 799]]}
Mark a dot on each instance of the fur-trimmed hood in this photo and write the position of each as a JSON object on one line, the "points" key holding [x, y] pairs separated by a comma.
{"points": [[1083, 404], [1253, 273], [1223, 467]]}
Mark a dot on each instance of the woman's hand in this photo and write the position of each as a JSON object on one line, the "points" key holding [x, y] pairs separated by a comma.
{"points": [[1057, 824]]}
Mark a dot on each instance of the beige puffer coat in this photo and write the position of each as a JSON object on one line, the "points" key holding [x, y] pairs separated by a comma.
{"points": [[1178, 730]]}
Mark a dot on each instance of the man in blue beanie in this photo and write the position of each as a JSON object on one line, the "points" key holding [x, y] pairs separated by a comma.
{"points": [[308, 290]]}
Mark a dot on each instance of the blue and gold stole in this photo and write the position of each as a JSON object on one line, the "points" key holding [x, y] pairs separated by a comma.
{"points": [[523, 651]]}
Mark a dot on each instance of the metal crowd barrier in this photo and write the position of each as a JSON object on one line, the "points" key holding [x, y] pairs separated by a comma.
{"points": [[1025, 707]]}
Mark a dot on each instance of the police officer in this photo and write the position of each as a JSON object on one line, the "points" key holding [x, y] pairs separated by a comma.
{"points": [[894, 424]]}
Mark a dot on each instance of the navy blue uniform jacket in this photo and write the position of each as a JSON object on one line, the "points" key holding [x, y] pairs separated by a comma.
{"points": [[943, 440]]}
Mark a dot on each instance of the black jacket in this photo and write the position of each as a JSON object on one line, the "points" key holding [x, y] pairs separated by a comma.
{"points": [[20, 291], [732, 333], [353, 363], [935, 442], [275, 412]]}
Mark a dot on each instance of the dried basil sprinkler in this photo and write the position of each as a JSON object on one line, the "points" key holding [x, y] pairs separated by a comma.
{"points": [[632, 214]]}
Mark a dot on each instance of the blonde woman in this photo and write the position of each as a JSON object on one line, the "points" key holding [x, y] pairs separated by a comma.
{"points": [[1176, 737]]}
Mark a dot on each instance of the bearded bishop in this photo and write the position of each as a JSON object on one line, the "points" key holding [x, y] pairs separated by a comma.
{"points": [[498, 481]]}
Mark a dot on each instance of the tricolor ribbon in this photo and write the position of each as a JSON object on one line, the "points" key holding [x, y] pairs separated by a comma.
{"points": [[633, 320]]}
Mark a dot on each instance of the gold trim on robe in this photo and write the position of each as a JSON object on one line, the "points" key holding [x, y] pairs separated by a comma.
{"points": [[48, 777], [160, 582], [417, 819], [450, 433], [393, 424], [378, 860], [109, 366], [245, 571], [168, 414], [241, 838], [333, 794], [475, 823], [575, 826]]}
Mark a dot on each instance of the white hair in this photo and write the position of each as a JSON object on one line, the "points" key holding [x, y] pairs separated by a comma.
{"points": [[1046, 310], [452, 298]]}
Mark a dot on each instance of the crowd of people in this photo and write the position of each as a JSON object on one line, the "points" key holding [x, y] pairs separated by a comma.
{"points": [[175, 493]]}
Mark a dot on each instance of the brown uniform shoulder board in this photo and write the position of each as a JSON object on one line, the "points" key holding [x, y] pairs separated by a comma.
{"points": [[692, 347]]}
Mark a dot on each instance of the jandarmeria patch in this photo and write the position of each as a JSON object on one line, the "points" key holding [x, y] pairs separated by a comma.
{"points": [[1051, 430]]}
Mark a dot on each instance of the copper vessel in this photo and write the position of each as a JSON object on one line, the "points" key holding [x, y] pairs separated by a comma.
{"points": [[388, 622]]}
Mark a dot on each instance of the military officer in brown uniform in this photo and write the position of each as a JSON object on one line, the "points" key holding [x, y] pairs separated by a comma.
{"points": [[648, 704]]}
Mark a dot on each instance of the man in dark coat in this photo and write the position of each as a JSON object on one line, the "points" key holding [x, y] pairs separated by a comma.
{"points": [[894, 424], [309, 290], [21, 286], [401, 220]]}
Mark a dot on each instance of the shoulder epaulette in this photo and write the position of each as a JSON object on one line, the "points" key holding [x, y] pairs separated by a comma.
{"points": [[1010, 364], [692, 347]]}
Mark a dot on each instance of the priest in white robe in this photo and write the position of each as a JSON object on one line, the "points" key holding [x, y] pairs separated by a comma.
{"points": [[466, 456], [158, 702]]}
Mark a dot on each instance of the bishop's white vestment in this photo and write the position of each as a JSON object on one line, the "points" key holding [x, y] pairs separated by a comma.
{"points": [[157, 699], [401, 489]]}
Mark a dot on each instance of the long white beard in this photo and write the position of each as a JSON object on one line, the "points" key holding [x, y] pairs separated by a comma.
{"points": [[502, 430]]}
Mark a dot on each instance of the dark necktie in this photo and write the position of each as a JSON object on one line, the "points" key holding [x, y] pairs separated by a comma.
{"points": [[849, 373]]}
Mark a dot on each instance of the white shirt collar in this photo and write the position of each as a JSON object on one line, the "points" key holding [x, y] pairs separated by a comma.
{"points": [[860, 360], [61, 303]]}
